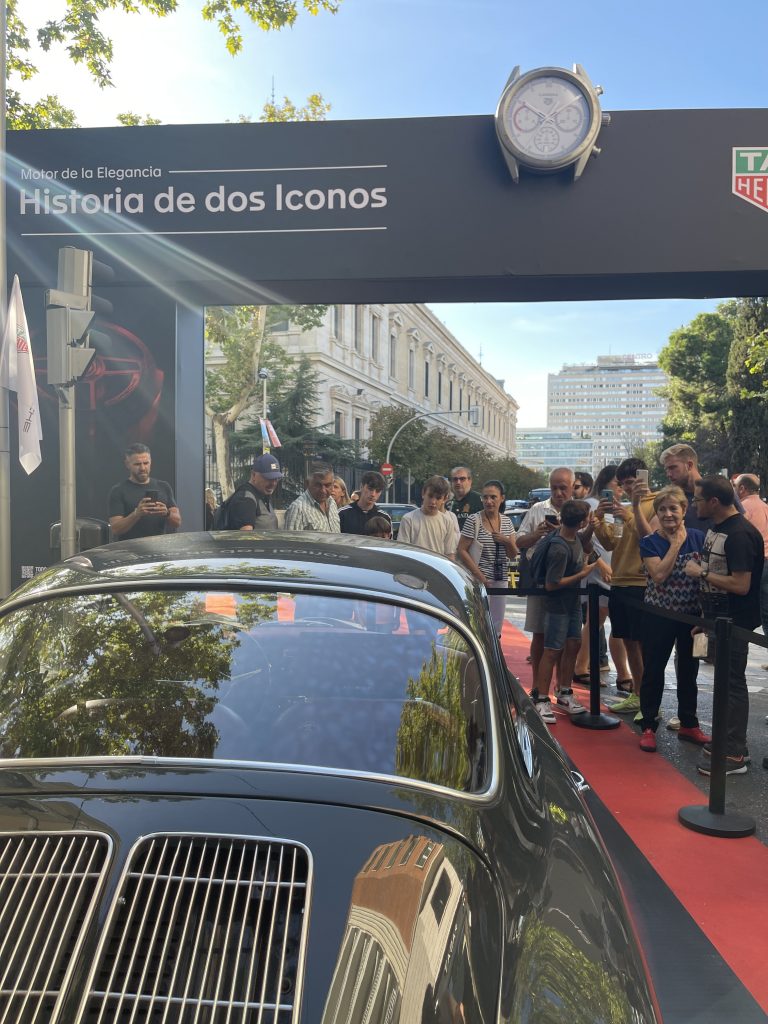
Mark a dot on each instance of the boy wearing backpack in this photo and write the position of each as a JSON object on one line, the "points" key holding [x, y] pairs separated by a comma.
{"points": [[559, 565]]}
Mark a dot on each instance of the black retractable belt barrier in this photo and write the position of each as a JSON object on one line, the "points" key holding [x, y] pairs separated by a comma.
{"points": [[595, 718], [714, 820]]}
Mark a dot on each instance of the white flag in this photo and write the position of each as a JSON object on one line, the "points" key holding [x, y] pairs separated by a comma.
{"points": [[17, 372]]}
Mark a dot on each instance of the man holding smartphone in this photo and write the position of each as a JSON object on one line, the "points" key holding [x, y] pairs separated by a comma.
{"points": [[141, 506]]}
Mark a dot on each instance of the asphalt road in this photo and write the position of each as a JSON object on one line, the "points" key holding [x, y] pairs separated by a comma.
{"points": [[746, 793]]}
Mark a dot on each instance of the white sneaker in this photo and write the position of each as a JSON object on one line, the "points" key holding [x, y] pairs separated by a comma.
{"points": [[544, 708], [568, 702], [673, 724]]}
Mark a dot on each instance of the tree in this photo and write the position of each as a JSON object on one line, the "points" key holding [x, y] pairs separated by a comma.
{"points": [[696, 360], [240, 334], [747, 386], [79, 32]]}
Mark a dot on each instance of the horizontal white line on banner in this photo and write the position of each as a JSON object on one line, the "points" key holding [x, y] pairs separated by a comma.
{"points": [[269, 170], [144, 234]]}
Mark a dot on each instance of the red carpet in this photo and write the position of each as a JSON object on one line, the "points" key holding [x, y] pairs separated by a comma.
{"points": [[723, 883]]}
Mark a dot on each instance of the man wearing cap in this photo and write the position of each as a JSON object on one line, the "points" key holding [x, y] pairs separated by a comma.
{"points": [[251, 507]]}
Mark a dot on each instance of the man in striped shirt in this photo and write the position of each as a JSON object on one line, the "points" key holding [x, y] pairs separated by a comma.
{"points": [[315, 509]]}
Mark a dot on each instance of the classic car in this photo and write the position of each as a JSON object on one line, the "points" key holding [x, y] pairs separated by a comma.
{"points": [[288, 777]]}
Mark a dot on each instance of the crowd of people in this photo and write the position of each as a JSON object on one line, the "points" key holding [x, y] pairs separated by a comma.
{"points": [[698, 546]]}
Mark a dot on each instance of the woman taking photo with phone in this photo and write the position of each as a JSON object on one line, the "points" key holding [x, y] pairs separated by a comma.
{"points": [[486, 545], [665, 553]]}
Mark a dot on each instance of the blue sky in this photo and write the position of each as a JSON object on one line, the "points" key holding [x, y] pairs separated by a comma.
{"points": [[413, 58]]}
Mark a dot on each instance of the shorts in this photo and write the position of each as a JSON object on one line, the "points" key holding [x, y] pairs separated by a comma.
{"points": [[625, 607], [602, 600], [535, 613], [562, 626]]}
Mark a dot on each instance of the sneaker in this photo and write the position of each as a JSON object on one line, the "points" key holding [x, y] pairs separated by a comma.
{"points": [[707, 751], [673, 724], [639, 716], [693, 735], [568, 702], [648, 741], [629, 704], [544, 708], [733, 766]]}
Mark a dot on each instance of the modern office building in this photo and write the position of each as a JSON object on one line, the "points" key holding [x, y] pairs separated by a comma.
{"points": [[545, 449], [614, 402]]}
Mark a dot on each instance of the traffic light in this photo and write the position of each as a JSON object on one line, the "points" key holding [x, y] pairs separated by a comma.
{"points": [[70, 308]]}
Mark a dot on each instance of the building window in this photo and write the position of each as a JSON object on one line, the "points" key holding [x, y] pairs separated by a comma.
{"points": [[336, 314], [393, 354], [338, 424], [358, 429], [411, 369], [439, 388], [426, 380], [461, 399], [375, 329], [450, 394]]}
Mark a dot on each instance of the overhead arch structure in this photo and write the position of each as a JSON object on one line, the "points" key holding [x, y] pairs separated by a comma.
{"points": [[402, 210]]}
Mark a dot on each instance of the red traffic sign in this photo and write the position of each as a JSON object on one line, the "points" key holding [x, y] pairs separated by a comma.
{"points": [[387, 469]]}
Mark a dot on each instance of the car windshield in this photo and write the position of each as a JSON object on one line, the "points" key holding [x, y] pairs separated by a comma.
{"points": [[298, 679]]}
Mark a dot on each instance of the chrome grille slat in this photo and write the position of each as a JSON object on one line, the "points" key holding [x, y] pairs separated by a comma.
{"points": [[49, 885], [219, 936]]}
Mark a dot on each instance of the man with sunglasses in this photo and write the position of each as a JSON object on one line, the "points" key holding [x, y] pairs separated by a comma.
{"points": [[465, 502]]}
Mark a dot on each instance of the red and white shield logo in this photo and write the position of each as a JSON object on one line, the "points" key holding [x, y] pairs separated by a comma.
{"points": [[750, 175]]}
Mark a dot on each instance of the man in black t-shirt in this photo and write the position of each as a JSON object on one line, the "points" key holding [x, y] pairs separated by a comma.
{"points": [[730, 573], [465, 502], [252, 505], [141, 506], [355, 516]]}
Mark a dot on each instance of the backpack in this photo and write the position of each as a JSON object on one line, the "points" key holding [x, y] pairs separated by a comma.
{"points": [[221, 515], [540, 556]]}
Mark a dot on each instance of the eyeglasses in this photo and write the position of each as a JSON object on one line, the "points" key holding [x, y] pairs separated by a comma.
{"points": [[455, 479], [697, 500]]}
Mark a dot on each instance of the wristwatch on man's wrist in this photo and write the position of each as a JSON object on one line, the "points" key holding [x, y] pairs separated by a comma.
{"points": [[704, 573]]}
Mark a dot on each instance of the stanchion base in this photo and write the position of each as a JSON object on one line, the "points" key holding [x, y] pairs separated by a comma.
{"points": [[600, 721], [730, 825]]}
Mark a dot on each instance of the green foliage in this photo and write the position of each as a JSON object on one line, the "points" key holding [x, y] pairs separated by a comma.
{"points": [[747, 386], [130, 120], [426, 451], [316, 109], [79, 32]]}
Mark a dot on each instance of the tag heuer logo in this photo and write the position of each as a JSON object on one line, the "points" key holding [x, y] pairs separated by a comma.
{"points": [[750, 175]]}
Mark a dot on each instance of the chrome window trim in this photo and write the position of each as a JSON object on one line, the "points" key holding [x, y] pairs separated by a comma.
{"points": [[89, 912], [126, 870], [482, 796]]}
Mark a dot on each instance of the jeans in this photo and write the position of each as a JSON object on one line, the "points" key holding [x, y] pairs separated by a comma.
{"points": [[738, 698], [661, 636]]}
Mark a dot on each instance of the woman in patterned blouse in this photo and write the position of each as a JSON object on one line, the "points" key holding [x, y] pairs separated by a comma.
{"points": [[665, 553]]}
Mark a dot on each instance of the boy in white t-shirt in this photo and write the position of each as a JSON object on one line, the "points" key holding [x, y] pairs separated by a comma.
{"points": [[430, 526]]}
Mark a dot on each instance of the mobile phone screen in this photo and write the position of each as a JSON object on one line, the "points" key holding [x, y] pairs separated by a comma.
{"points": [[152, 495]]}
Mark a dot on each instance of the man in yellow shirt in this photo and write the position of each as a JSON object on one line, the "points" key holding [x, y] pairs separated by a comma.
{"points": [[622, 537]]}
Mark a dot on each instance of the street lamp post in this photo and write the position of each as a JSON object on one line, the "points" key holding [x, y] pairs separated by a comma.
{"points": [[474, 418]]}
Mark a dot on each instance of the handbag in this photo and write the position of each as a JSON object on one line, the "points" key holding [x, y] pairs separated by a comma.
{"points": [[476, 547]]}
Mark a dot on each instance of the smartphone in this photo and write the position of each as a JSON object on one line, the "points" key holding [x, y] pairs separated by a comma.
{"points": [[607, 495], [152, 495], [642, 476], [552, 518]]}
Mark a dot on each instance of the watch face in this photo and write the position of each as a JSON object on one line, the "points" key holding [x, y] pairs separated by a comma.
{"points": [[547, 118]]}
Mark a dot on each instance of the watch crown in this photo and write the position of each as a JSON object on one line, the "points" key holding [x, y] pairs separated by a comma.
{"points": [[596, 151], [605, 120]]}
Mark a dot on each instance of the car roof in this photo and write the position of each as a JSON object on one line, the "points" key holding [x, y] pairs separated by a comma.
{"points": [[275, 560]]}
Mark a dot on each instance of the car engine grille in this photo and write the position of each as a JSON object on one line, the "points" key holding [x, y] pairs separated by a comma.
{"points": [[209, 929], [48, 889]]}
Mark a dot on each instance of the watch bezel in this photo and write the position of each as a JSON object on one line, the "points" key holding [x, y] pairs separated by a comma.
{"points": [[548, 163]]}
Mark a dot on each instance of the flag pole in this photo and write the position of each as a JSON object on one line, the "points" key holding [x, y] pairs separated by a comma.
{"points": [[5, 437]]}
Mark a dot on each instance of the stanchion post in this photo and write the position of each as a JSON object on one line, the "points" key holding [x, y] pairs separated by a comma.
{"points": [[713, 819], [595, 719]]}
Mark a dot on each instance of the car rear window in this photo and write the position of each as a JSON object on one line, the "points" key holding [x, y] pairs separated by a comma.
{"points": [[297, 679]]}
